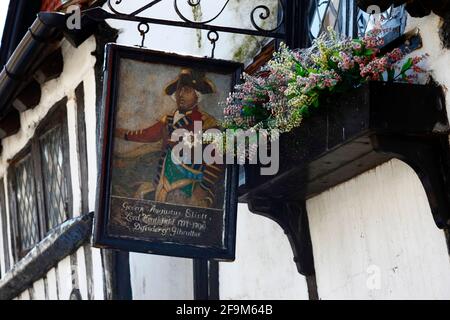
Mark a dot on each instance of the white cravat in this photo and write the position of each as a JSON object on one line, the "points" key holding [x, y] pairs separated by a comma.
{"points": [[178, 116]]}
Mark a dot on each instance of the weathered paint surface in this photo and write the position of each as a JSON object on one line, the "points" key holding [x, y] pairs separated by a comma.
{"points": [[264, 266], [374, 238]]}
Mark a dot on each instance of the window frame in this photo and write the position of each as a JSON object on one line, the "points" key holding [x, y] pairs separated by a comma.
{"points": [[57, 116], [5, 238]]}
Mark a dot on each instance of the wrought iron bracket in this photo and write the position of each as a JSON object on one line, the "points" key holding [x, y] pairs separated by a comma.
{"points": [[261, 11]]}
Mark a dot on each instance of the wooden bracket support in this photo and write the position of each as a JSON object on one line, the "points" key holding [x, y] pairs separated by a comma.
{"points": [[293, 219]]}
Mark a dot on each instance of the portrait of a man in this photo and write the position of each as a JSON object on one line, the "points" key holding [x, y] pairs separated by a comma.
{"points": [[185, 183]]}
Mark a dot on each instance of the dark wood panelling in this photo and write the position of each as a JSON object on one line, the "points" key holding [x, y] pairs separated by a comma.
{"points": [[51, 68], [10, 124]]}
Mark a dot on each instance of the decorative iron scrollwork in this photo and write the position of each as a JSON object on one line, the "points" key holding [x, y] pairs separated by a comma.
{"points": [[266, 14], [262, 12], [196, 3], [134, 13]]}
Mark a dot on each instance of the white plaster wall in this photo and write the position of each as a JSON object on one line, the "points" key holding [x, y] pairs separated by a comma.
{"points": [[381, 220], [374, 238], [161, 278], [39, 290], [64, 279], [52, 284], [264, 266]]}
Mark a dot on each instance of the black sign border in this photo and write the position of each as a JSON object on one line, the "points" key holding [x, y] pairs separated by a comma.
{"points": [[101, 239]]}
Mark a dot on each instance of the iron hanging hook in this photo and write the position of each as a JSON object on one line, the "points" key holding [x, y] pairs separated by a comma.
{"points": [[143, 29], [213, 37]]}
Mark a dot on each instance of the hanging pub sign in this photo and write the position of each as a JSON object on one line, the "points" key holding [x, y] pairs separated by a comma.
{"points": [[150, 200]]}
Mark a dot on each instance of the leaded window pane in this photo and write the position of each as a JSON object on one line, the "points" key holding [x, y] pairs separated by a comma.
{"points": [[347, 19], [55, 183], [26, 204]]}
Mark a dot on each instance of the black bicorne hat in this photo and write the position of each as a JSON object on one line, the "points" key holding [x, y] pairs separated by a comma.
{"points": [[194, 79]]}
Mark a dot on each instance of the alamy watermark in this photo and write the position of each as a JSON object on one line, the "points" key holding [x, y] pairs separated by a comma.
{"points": [[74, 20], [229, 147]]}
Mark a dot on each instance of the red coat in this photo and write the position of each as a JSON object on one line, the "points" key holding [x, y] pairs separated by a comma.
{"points": [[163, 129]]}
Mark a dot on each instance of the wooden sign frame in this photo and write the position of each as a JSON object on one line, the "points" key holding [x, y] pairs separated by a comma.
{"points": [[138, 225]]}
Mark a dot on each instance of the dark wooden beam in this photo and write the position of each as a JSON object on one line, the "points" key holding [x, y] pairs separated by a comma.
{"points": [[29, 97], [297, 23], [261, 59], [60, 243], [10, 124], [51, 67], [201, 279]]}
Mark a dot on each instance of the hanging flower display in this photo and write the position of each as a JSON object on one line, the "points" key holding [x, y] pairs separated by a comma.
{"points": [[294, 82]]}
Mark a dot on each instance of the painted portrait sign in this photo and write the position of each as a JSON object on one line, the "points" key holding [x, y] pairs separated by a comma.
{"points": [[147, 200]]}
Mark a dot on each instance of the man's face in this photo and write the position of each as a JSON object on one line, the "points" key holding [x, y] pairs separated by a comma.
{"points": [[186, 98]]}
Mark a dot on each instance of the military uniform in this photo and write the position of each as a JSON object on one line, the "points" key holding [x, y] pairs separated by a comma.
{"points": [[180, 183]]}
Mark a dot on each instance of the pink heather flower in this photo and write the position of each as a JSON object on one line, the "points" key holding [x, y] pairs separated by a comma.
{"points": [[395, 55], [418, 69], [347, 62], [418, 59], [357, 46]]}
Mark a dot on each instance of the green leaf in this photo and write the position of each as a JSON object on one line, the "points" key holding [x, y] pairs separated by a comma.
{"points": [[408, 64], [300, 70], [247, 111], [369, 52], [315, 103], [304, 111]]}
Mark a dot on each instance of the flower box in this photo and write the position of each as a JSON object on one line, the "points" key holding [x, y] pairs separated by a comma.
{"points": [[355, 132]]}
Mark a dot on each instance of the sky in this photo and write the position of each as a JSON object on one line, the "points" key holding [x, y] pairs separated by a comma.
{"points": [[3, 12]]}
